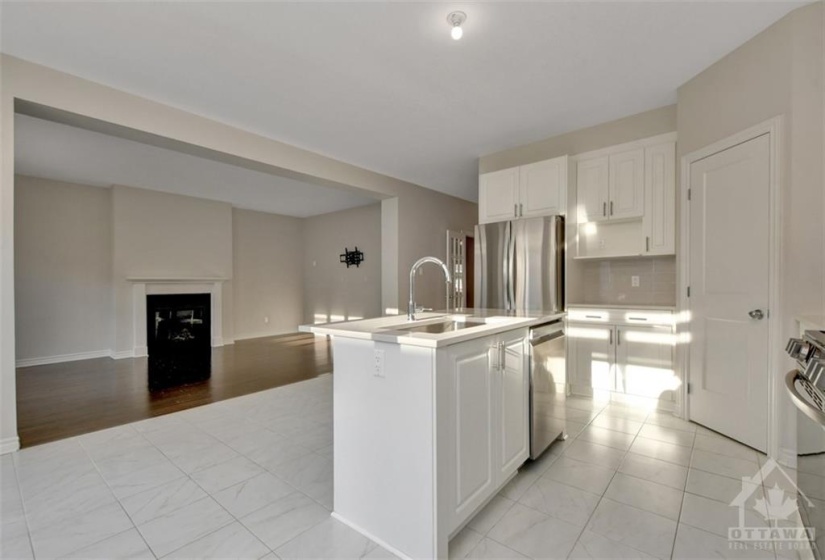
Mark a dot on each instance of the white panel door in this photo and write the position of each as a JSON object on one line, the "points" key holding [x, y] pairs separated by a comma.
{"points": [[513, 410], [729, 283], [543, 188], [592, 190], [627, 185], [473, 410], [644, 362], [659, 222], [498, 194]]}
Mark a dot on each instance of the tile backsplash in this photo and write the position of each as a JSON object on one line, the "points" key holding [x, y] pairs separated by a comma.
{"points": [[609, 282]]}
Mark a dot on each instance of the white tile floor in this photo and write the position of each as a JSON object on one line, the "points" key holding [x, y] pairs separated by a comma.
{"points": [[251, 477]]}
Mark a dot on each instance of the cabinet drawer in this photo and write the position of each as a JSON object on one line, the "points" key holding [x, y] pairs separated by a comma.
{"points": [[621, 316]]}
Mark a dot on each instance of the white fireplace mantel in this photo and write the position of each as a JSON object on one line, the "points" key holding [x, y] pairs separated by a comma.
{"points": [[143, 286]]}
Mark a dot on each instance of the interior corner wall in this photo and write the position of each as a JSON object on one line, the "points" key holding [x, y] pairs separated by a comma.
{"points": [[424, 218], [333, 291], [63, 270], [268, 288], [777, 73], [164, 235]]}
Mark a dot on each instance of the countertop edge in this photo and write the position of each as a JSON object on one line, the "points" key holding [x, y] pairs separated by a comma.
{"points": [[437, 341]]}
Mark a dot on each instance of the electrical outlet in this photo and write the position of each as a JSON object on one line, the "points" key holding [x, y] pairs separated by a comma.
{"points": [[378, 363], [634, 281]]}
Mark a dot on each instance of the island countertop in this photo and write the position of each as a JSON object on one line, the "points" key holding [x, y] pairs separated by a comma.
{"points": [[396, 328]]}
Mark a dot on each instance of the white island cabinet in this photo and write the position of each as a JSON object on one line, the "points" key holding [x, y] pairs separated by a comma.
{"points": [[428, 426]]}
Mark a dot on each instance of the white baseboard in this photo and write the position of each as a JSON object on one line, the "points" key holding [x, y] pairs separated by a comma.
{"points": [[29, 362], [123, 354], [9, 445]]}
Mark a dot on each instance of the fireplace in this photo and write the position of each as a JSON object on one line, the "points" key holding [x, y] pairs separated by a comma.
{"points": [[178, 336]]}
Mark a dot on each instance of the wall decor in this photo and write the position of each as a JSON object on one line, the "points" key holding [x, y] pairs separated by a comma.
{"points": [[354, 257]]}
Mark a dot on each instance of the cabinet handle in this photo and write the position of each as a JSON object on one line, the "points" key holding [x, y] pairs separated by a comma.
{"points": [[610, 343], [520, 209], [647, 244], [611, 207], [604, 209], [497, 360], [501, 356], [515, 210], [618, 338], [637, 318], [592, 316]]}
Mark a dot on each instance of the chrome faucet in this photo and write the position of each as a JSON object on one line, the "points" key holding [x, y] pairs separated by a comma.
{"points": [[411, 311]]}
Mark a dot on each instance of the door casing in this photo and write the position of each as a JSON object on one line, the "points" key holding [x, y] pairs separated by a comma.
{"points": [[772, 127]]}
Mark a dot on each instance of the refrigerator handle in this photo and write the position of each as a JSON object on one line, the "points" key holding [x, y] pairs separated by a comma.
{"points": [[511, 268]]}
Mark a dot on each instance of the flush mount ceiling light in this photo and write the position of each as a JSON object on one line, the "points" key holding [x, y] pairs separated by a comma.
{"points": [[455, 19]]}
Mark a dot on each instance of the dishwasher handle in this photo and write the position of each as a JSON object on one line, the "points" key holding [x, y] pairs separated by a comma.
{"points": [[546, 337]]}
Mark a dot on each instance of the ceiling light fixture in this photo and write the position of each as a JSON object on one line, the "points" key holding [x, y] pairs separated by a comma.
{"points": [[455, 19]]}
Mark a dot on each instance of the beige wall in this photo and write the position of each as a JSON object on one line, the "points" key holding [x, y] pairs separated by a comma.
{"points": [[268, 273], [160, 235], [777, 73], [63, 269], [77, 244], [424, 219], [627, 129], [331, 290]]}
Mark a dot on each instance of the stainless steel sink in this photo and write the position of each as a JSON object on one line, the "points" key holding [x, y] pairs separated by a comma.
{"points": [[439, 327]]}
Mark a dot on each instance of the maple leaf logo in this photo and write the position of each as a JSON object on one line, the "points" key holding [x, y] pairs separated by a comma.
{"points": [[777, 507]]}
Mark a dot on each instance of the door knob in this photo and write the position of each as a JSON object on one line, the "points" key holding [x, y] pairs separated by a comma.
{"points": [[756, 314]]}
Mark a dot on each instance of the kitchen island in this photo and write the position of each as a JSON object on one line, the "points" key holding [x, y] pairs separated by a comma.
{"points": [[430, 421]]}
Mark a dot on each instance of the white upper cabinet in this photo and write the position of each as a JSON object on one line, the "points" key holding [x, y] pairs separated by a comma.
{"points": [[592, 190], [659, 223], [627, 185], [537, 189], [498, 195], [625, 200], [543, 188]]}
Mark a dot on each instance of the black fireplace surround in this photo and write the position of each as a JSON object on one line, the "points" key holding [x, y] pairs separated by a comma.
{"points": [[179, 339]]}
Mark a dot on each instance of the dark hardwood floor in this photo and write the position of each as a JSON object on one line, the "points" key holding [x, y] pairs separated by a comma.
{"points": [[57, 401]]}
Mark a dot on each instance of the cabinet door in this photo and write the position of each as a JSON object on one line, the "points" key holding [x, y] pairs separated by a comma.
{"points": [[513, 406], [471, 415], [659, 222], [644, 362], [591, 190], [498, 195], [591, 355], [543, 188], [627, 185]]}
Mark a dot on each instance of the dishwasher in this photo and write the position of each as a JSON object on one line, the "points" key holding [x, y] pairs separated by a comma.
{"points": [[548, 386]]}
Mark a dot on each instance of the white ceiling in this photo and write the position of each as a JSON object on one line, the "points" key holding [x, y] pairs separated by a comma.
{"points": [[381, 84], [65, 153]]}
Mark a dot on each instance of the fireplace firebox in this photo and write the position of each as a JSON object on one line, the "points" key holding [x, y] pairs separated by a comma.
{"points": [[179, 339]]}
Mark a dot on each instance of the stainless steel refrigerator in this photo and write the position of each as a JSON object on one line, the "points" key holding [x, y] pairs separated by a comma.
{"points": [[519, 265]]}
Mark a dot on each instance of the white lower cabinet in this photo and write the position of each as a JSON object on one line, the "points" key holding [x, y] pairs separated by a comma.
{"points": [[483, 390], [623, 360]]}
